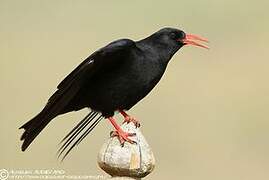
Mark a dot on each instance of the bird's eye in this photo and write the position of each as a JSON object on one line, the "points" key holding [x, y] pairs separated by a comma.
{"points": [[182, 35], [173, 35]]}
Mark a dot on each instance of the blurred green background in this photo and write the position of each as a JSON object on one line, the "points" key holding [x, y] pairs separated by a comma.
{"points": [[208, 117]]}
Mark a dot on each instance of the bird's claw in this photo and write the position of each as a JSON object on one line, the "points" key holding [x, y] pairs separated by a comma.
{"points": [[129, 119], [123, 136]]}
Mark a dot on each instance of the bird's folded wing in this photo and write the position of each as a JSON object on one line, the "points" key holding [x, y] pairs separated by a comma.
{"points": [[109, 55]]}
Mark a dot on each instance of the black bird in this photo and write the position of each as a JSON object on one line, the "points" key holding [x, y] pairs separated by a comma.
{"points": [[114, 78]]}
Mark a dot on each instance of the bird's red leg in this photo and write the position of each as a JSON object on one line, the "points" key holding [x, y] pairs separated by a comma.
{"points": [[128, 119], [122, 136]]}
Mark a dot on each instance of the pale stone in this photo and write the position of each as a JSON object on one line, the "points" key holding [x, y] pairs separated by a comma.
{"points": [[132, 160]]}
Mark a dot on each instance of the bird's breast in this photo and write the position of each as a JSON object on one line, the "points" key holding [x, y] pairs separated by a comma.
{"points": [[142, 78]]}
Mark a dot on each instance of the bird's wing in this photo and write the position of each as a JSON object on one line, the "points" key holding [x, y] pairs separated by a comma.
{"points": [[107, 56]]}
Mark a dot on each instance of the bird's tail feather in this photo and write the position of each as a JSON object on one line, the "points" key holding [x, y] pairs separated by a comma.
{"points": [[33, 128], [55, 106], [78, 133]]}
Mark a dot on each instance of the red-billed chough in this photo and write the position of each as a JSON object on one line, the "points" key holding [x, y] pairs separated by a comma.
{"points": [[114, 78]]}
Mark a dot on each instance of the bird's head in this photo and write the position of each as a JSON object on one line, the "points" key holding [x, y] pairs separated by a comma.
{"points": [[177, 38], [171, 40]]}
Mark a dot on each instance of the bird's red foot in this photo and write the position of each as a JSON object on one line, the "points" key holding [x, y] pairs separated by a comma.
{"points": [[128, 119], [123, 136]]}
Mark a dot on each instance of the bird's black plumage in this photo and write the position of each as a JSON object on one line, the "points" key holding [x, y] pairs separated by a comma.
{"points": [[113, 78]]}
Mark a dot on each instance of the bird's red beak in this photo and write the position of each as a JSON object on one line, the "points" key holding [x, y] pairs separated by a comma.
{"points": [[189, 40]]}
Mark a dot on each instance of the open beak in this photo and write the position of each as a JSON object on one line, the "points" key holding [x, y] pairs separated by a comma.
{"points": [[189, 40]]}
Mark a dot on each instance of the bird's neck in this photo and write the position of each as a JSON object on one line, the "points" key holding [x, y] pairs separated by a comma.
{"points": [[156, 50]]}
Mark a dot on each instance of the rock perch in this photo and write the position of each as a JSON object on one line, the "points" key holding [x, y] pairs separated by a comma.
{"points": [[132, 160]]}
